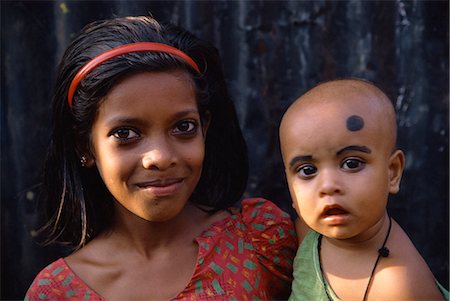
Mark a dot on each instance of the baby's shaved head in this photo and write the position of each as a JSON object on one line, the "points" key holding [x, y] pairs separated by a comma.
{"points": [[338, 147], [362, 100]]}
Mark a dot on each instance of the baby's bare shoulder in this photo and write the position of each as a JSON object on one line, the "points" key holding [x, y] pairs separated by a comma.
{"points": [[405, 275], [399, 283]]}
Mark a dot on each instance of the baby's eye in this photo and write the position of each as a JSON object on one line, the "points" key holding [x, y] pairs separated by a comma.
{"points": [[352, 164], [306, 171], [125, 134], [185, 127]]}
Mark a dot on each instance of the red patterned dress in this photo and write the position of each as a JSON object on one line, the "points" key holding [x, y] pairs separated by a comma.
{"points": [[246, 256]]}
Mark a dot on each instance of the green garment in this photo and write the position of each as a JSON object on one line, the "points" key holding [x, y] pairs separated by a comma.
{"points": [[308, 283], [444, 292]]}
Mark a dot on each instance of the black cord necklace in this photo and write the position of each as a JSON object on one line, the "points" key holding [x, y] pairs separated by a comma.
{"points": [[382, 252]]}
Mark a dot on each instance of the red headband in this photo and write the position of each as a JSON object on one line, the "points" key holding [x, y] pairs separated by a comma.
{"points": [[127, 48]]}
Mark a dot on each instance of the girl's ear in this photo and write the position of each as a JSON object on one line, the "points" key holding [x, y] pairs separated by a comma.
{"points": [[85, 154], [396, 166], [87, 161], [205, 123]]}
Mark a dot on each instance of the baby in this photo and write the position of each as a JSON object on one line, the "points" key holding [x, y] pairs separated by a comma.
{"points": [[338, 143]]}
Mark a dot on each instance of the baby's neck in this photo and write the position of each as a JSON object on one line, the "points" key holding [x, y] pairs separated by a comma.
{"points": [[355, 258], [371, 239]]}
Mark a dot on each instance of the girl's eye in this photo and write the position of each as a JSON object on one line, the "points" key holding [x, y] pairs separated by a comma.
{"points": [[307, 171], [125, 134], [352, 164], [185, 128]]}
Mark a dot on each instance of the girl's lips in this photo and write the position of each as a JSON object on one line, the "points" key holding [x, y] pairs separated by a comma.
{"points": [[163, 187]]}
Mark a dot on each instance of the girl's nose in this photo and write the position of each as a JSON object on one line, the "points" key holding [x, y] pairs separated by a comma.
{"points": [[159, 156], [329, 183]]}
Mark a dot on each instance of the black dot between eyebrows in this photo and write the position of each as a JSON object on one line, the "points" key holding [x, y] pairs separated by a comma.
{"points": [[355, 123]]}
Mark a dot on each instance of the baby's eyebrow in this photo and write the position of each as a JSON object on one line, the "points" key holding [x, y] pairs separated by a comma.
{"points": [[299, 158], [363, 149]]}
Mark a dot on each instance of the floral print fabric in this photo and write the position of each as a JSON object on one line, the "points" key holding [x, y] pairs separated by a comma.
{"points": [[247, 256]]}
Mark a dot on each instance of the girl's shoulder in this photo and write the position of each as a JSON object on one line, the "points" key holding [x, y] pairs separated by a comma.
{"points": [[260, 209], [260, 222], [57, 282], [265, 223], [258, 239], [48, 281]]}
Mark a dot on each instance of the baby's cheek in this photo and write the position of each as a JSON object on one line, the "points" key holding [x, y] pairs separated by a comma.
{"points": [[302, 202], [296, 197], [295, 206]]}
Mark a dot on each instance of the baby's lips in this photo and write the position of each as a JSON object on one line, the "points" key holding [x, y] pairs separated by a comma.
{"points": [[334, 210]]}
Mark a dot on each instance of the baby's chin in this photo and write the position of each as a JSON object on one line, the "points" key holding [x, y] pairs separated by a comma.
{"points": [[337, 233]]}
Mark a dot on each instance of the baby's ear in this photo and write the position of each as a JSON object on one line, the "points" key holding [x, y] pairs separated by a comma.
{"points": [[396, 166]]}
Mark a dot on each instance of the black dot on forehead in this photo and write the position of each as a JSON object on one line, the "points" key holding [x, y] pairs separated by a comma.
{"points": [[355, 123]]}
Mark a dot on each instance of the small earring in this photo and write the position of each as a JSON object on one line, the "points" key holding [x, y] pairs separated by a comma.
{"points": [[83, 161]]}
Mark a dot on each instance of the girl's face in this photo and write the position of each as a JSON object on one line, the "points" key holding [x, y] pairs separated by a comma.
{"points": [[148, 143]]}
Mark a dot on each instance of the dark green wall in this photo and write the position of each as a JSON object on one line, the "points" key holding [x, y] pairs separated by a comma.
{"points": [[272, 52]]}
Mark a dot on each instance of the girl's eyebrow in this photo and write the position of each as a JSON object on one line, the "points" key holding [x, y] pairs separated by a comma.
{"points": [[358, 148], [123, 120], [186, 112], [133, 120], [299, 158]]}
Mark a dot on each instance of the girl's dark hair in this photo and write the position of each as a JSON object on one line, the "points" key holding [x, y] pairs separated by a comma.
{"points": [[79, 206]]}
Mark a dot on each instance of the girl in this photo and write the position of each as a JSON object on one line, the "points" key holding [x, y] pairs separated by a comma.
{"points": [[145, 162]]}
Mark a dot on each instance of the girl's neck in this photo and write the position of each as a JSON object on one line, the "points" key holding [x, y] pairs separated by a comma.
{"points": [[371, 239], [146, 237]]}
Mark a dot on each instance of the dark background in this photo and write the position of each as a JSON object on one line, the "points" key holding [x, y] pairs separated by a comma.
{"points": [[272, 52]]}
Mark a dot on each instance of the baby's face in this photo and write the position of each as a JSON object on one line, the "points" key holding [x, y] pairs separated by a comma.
{"points": [[337, 153]]}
